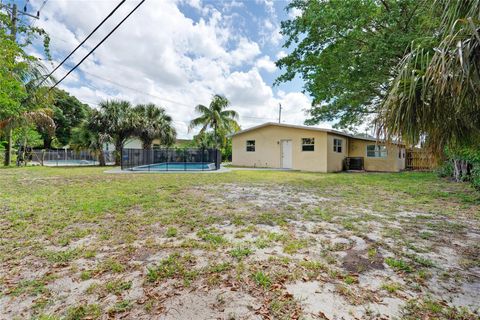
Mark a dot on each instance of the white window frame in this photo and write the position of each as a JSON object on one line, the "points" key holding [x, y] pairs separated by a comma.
{"points": [[312, 144], [336, 147], [247, 145], [380, 151]]}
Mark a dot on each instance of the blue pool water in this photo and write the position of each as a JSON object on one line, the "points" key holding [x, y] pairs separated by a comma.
{"points": [[176, 166], [63, 162]]}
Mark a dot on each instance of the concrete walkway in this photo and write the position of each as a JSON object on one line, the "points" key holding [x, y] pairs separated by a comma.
{"points": [[258, 169]]}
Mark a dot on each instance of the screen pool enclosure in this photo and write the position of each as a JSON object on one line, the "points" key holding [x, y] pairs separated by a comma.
{"points": [[171, 159]]}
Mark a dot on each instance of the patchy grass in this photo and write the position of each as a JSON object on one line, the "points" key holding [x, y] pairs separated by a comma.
{"points": [[118, 286], [399, 265], [129, 244], [262, 279], [92, 311], [241, 252], [171, 232], [174, 266]]}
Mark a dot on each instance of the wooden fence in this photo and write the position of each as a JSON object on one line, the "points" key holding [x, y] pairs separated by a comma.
{"points": [[418, 159]]}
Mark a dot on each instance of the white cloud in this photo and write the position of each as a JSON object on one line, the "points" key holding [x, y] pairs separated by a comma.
{"points": [[294, 13], [160, 55], [266, 64], [245, 52], [281, 54]]}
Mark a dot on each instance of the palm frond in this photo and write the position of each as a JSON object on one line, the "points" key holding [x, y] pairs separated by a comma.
{"points": [[41, 118], [436, 95]]}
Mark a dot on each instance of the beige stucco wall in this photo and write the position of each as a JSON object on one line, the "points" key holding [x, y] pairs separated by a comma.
{"points": [[358, 148], [323, 159], [267, 148], [401, 161], [335, 159]]}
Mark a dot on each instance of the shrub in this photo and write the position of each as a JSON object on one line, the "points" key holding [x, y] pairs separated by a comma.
{"points": [[445, 170], [470, 156], [476, 176]]}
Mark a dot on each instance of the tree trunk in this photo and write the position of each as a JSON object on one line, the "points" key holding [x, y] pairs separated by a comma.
{"points": [[465, 170], [47, 143], [457, 170], [461, 170], [215, 135], [118, 152], [8, 150], [101, 158], [24, 153]]}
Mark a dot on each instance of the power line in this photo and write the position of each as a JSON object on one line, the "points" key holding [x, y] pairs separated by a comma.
{"points": [[134, 89], [41, 7], [32, 24], [99, 44], [137, 90], [81, 43], [159, 97]]}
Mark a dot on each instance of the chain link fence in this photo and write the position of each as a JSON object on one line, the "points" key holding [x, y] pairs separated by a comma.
{"points": [[66, 157]]}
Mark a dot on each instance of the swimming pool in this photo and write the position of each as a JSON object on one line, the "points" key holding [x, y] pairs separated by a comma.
{"points": [[63, 162], [176, 166]]}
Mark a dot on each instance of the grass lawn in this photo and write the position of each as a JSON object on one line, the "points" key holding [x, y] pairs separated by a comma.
{"points": [[76, 243]]}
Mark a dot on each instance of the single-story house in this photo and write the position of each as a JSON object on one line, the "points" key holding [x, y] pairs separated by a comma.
{"points": [[275, 145]]}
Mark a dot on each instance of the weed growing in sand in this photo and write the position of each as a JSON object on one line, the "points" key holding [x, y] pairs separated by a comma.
{"points": [[262, 279]]}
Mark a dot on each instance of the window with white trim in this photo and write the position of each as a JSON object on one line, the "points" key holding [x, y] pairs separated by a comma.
{"points": [[337, 145], [308, 144], [376, 151], [250, 145]]}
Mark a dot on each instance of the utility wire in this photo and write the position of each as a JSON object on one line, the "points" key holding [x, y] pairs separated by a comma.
{"points": [[41, 7], [98, 45], [159, 97], [137, 90], [81, 43]]}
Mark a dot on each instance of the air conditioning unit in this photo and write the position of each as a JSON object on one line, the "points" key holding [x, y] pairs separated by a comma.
{"points": [[354, 163]]}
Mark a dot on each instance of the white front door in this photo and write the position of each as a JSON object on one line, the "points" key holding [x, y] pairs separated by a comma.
{"points": [[286, 154]]}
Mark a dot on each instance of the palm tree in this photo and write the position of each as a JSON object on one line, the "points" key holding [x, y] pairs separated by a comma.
{"points": [[90, 135], [204, 140], [154, 123], [119, 122], [34, 105], [216, 117], [42, 118], [435, 96]]}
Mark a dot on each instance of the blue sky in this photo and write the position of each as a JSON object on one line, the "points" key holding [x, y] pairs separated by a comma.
{"points": [[177, 54]]}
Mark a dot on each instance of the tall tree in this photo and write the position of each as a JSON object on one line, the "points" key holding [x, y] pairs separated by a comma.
{"points": [[217, 117], [154, 123], [91, 135], [68, 113], [346, 50], [120, 123], [12, 91], [435, 96], [19, 72], [41, 118]]}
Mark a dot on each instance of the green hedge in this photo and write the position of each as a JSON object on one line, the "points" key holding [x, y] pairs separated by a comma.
{"points": [[470, 155]]}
